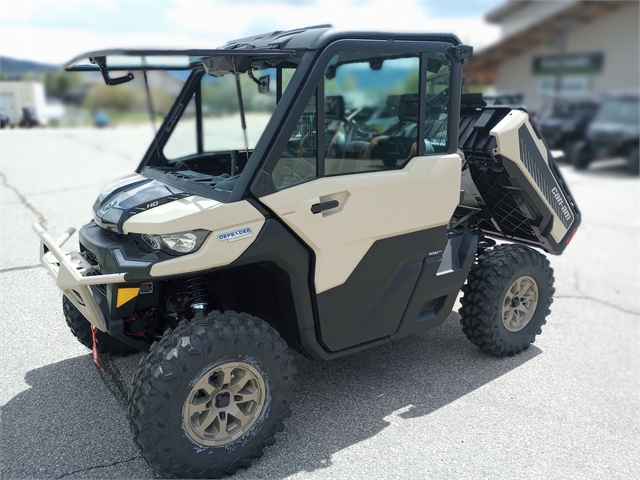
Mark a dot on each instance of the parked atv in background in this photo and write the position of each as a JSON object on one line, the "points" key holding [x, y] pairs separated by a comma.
{"points": [[564, 122], [5, 121], [297, 229], [614, 132], [29, 118]]}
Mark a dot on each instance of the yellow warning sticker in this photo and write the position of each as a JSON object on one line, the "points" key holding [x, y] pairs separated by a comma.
{"points": [[126, 294]]}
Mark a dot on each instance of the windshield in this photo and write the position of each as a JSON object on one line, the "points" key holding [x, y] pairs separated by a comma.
{"points": [[213, 127], [619, 110], [221, 118]]}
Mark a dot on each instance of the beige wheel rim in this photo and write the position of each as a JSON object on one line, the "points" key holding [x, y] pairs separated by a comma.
{"points": [[520, 304], [224, 404]]}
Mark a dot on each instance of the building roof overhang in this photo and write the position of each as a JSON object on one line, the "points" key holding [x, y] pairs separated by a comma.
{"points": [[482, 68]]}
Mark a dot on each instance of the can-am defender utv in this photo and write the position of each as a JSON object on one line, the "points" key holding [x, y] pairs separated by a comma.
{"points": [[337, 230]]}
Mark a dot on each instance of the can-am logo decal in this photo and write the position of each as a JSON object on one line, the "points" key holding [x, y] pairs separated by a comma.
{"points": [[563, 206], [539, 171], [235, 235]]}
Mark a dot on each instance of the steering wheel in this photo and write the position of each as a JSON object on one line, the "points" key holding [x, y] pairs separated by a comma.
{"points": [[387, 148], [301, 146], [336, 147]]}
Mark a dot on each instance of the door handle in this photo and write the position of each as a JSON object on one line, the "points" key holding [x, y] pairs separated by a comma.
{"points": [[321, 207]]}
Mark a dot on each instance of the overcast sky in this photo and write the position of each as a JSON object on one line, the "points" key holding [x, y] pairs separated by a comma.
{"points": [[56, 31]]}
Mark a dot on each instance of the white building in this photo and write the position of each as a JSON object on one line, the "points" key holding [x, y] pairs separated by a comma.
{"points": [[14, 96], [581, 48]]}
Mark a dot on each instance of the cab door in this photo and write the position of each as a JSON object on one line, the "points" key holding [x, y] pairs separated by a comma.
{"points": [[368, 182]]}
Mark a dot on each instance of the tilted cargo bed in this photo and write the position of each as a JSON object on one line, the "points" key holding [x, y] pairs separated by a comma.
{"points": [[511, 180]]}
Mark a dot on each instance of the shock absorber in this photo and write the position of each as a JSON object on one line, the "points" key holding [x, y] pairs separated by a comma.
{"points": [[198, 295]]}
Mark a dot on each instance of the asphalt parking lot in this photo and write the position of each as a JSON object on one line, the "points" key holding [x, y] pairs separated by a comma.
{"points": [[428, 406]]}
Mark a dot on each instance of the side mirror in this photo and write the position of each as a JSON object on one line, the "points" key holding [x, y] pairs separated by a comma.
{"points": [[334, 107], [408, 107], [263, 84]]}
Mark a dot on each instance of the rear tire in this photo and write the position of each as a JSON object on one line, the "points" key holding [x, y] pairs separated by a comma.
{"points": [[81, 329], [210, 395], [581, 155], [506, 299]]}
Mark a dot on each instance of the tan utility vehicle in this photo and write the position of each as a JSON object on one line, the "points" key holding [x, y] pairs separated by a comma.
{"points": [[344, 207]]}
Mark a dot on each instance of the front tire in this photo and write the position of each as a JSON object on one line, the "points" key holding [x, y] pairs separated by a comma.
{"points": [[506, 299], [581, 155], [210, 395], [633, 161], [567, 150], [81, 329]]}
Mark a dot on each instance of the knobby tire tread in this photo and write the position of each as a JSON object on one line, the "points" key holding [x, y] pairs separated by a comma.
{"points": [[81, 329], [490, 276], [200, 337]]}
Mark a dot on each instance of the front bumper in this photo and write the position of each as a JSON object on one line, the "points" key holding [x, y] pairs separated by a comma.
{"points": [[72, 273]]}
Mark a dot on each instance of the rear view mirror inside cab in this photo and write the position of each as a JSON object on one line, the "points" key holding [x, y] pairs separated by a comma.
{"points": [[334, 107]]}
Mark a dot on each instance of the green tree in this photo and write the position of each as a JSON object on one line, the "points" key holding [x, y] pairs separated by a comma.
{"points": [[60, 82], [104, 97]]}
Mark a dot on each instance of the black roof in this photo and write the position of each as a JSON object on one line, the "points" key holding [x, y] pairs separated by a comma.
{"points": [[263, 46], [312, 38]]}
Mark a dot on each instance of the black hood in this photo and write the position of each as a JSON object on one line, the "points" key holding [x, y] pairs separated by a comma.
{"points": [[133, 195]]}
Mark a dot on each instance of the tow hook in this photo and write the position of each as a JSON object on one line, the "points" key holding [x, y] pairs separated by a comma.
{"points": [[94, 348]]}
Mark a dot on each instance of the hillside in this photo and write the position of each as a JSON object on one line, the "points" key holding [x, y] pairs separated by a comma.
{"points": [[15, 68]]}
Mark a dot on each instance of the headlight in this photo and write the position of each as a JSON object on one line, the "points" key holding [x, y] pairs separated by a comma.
{"points": [[180, 242], [183, 242]]}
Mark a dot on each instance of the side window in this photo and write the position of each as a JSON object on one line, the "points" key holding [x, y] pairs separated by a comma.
{"points": [[371, 111], [298, 161], [438, 99]]}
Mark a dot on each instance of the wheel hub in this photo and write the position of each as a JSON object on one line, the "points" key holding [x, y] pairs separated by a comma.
{"points": [[520, 303], [224, 404], [222, 400]]}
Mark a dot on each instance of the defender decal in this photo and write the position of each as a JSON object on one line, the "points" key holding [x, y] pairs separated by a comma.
{"points": [[535, 164], [236, 235]]}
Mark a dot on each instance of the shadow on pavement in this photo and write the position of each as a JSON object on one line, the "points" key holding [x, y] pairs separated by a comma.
{"points": [[67, 425], [341, 403], [69, 422]]}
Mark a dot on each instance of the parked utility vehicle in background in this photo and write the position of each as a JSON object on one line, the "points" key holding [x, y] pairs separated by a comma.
{"points": [[614, 132], [313, 231], [564, 122], [503, 98]]}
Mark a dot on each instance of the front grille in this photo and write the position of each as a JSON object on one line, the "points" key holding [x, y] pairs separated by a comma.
{"points": [[91, 258]]}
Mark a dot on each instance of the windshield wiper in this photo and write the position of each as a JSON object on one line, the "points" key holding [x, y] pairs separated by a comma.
{"points": [[102, 65]]}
